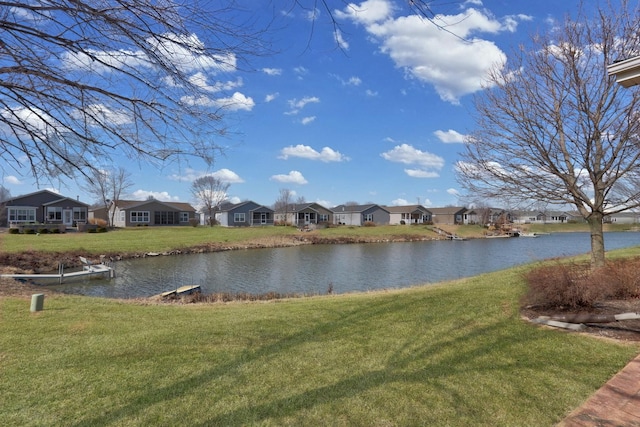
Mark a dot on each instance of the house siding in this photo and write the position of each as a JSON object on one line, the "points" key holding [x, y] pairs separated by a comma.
{"points": [[46, 207]]}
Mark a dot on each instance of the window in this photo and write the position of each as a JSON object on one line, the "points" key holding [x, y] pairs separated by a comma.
{"points": [[123, 216], [238, 217], [368, 217], [22, 214], [323, 217], [139, 216], [184, 216], [79, 214], [54, 213]]}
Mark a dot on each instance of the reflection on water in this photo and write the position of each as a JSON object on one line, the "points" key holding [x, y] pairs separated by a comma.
{"points": [[345, 268]]}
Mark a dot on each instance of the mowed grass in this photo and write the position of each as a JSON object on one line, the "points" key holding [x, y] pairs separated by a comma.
{"points": [[160, 239], [454, 354]]}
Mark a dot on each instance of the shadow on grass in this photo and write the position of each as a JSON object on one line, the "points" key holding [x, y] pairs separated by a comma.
{"points": [[409, 362]]}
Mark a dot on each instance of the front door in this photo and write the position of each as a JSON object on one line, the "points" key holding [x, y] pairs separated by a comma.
{"points": [[67, 217], [263, 218]]}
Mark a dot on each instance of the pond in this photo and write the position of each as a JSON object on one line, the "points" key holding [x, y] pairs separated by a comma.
{"points": [[313, 269]]}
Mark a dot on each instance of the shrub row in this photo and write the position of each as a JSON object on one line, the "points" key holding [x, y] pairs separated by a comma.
{"points": [[575, 285]]}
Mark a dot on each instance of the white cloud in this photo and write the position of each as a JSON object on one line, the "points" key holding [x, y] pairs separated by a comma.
{"points": [[293, 177], [234, 200], [200, 80], [298, 104], [270, 97], [455, 62], [158, 195], [272, 71], [399, 202], [450, 136], [337, 34], [409, 155], [307, 120], [11, 179], [421, 173], [226, 175], [369, 92], [235, 102], [327, 154]]}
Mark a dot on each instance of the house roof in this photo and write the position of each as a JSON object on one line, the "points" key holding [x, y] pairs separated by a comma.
{"points": [[356, 208], [55, 198], [226, 207], [130, 204], [296, 207], [450, 210], [406, 208]]}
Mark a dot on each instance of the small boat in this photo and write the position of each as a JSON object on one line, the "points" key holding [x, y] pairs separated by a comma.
{"points": [[528, 235], [183, 290]]}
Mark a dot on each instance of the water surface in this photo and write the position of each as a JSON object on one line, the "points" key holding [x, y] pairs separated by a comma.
{"points": [[314, 269]]}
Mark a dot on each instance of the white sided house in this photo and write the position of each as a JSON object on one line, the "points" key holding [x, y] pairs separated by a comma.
{"points": [[410, 214]]}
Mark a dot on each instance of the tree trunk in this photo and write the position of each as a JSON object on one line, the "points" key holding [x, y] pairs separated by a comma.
{"points": [[597, 239]]}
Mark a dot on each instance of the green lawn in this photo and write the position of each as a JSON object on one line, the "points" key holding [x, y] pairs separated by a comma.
{"points": [[159, 239], [455, 354]]}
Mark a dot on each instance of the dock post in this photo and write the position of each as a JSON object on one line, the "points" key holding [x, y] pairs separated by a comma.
{"points": [[37, 302], [61, 271]]}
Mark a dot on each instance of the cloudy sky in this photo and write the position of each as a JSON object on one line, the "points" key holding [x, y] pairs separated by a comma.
{"points": [[376, 111]]}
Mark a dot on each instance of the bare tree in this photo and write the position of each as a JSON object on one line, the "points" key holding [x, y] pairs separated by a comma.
{"points": [[553, 127], [283, 203], [82, 80], [108, 186], [5, 195], [211, 192]]}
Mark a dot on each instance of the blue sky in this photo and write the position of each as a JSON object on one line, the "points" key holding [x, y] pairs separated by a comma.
{"points": [[375, 113]]}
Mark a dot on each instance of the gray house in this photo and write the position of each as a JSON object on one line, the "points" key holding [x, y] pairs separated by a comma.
{"points": [[130, 213], [410, 214], [360, 214], [244, 214], [45, 207], [448, 215], [302, 214]]}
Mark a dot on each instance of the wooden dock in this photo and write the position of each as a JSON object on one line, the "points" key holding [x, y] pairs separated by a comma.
{"points": [[183, 290], [88, 270]]}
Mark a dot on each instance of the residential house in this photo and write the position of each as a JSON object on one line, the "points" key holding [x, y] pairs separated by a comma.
{"points": [[244, 214], [360, 214], [623, 218], [45, 207], [546, 217], [99, 212], [304, 214], [410, 214], [131, 213], [448, 215], [486, 216]]}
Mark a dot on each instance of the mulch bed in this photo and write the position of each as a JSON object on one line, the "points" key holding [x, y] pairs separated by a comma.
{"points": [[624, 330]]}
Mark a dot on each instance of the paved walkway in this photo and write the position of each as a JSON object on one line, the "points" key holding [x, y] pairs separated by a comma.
{"points": [[617, 403]]}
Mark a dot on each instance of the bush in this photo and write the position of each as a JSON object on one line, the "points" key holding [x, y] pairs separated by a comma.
{"points": [[14, 231], [576, 285], [54, 230], [29, 231], [101, 230], [92, 230], [369, 224], [43, 231], [194, 222]]}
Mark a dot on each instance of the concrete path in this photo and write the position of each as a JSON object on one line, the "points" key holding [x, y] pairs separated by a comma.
{"points": [[617, 403]]}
